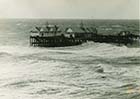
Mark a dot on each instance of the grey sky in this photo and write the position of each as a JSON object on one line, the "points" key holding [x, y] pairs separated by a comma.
{"points": [[98, 9]]}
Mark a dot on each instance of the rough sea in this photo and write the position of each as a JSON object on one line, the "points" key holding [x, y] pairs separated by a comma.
{"points": [[87, 71]]}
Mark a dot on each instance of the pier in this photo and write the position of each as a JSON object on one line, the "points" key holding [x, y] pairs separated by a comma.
{"points": [[53, 36]]}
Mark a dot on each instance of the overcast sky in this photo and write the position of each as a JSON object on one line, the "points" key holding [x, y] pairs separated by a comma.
{"points": [[96, 9]]}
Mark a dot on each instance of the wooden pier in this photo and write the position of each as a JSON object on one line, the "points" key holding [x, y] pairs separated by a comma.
{"points": [[52, 36], [60, 41]]}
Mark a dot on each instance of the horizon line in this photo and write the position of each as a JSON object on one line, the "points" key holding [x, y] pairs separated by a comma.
{"points": [[82, 18], [76, 18]]}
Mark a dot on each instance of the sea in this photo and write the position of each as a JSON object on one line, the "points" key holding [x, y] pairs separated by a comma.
{"points": [[88, 71]]}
